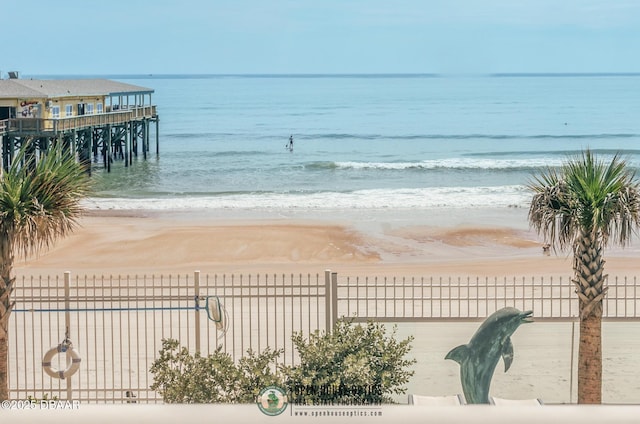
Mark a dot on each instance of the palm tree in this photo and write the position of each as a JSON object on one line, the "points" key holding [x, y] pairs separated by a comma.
{"points": [[39, 203], [587, 204]]}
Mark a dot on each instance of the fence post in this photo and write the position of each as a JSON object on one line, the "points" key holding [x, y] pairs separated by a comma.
{"points": [[334, 298], [196, 289], [328, 300], [67, 320], [573, 339]]}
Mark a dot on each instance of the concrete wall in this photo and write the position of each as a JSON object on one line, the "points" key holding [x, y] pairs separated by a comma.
{"points": [[157, 414]]}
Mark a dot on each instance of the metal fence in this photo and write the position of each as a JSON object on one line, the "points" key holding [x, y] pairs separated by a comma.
{"points": [[431, 299], [117, 324]]}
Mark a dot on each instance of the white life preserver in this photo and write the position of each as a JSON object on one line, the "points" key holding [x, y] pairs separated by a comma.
{"points": [[71, 369]]}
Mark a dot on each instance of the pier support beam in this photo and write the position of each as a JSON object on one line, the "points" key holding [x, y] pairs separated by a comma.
{"points": [[107, 149], [88, 144], [145, 138], [126, 145]]}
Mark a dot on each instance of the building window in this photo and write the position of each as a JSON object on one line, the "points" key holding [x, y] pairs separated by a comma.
{"points": [[99, 107], [55, 111], [68, 110], [89, 109]]}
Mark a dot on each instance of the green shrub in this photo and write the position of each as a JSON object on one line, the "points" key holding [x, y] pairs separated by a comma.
{"points": [[45, 397], [353, 364], [180, 377], [256, 372]]}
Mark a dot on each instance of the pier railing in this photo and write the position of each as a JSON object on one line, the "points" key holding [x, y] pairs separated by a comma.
{"points": [[70, 123], [117, 324]]}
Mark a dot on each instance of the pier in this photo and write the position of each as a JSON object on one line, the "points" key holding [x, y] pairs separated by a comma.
{"points": [[99, 120]]}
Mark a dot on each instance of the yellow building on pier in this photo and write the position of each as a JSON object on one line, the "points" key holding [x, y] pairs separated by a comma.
{"points": [[97, 118]]}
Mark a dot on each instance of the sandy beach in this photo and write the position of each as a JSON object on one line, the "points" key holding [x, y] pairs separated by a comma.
{"points": [[486, 243]]}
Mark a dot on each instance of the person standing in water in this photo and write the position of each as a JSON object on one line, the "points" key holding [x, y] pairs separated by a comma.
{"points": [[291, 142]]}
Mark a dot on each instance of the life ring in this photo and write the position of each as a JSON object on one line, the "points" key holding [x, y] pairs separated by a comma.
{"points": [[71, 369]]}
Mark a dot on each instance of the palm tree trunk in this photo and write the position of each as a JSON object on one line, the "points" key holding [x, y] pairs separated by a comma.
{"points": [[4, 365], [590, 360], [589, 281], [6, 305]]}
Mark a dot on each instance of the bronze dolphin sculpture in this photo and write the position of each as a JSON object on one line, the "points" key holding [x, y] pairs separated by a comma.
{"points": [[479, 357]]}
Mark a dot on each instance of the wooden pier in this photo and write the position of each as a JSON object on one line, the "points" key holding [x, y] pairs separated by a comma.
{"points": [[98, 120]]}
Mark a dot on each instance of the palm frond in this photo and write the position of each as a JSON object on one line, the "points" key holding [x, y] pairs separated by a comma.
{"points": [[40, 199], [586, 195], [551, 211]]}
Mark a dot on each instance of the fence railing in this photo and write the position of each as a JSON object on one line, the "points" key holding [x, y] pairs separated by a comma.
{"points": [[117, 324], [427, 299]]}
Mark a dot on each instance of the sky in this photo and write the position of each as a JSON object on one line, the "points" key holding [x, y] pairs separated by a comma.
{"points": [[80, 37]]}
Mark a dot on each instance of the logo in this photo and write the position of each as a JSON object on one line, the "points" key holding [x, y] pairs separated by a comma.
{"points": [[272, 400]]}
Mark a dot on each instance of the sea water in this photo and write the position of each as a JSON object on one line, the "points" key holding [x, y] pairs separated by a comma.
{"points": [[405, 142]]}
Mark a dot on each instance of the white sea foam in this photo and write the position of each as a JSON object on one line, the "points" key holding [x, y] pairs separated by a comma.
{"points": [[418, 198], [456, 163]]}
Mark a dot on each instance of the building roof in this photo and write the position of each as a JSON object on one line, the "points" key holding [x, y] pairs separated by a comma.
{"points": [[29, 88]]}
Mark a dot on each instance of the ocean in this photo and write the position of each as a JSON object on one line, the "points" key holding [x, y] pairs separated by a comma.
{"points": [[367, 142]]}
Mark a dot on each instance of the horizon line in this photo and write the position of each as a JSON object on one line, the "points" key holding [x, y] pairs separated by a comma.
{"points": [[332, 75]]}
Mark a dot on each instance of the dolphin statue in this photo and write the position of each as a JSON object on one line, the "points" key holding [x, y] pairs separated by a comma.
{"points": [[479, 357]]}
